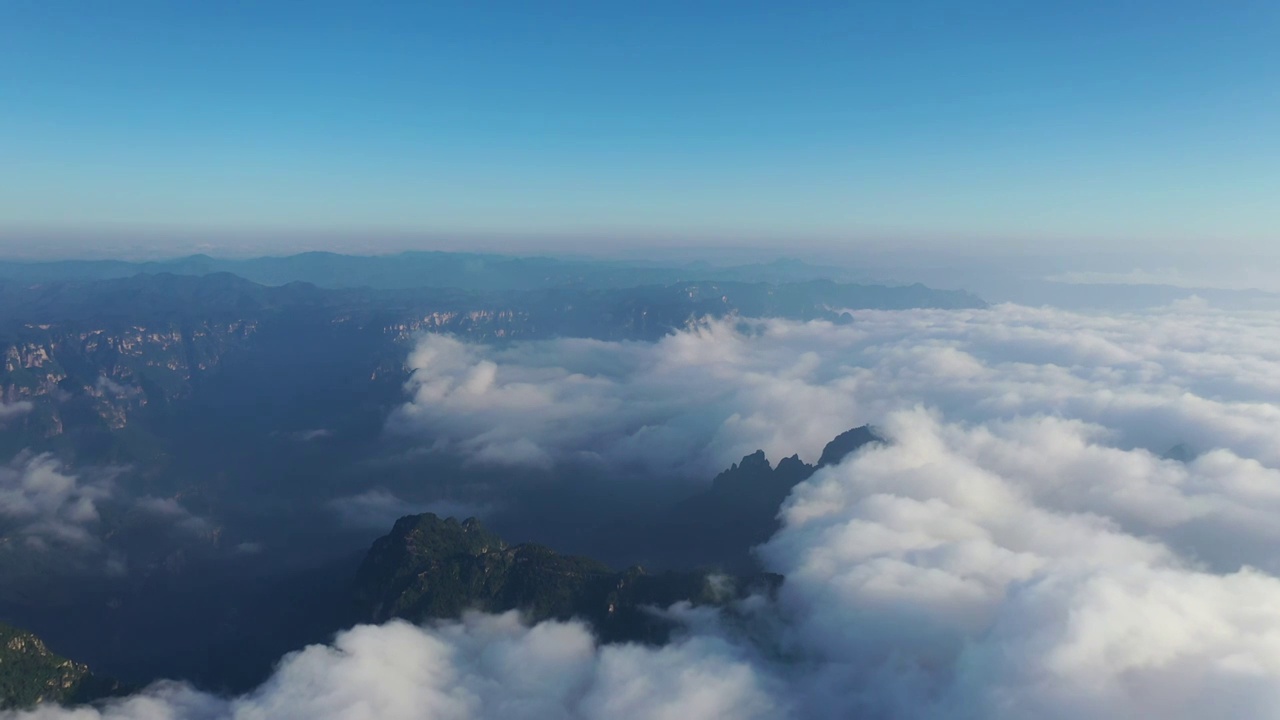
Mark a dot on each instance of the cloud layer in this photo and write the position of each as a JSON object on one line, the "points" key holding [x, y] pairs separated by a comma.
{"points": [[1023, 569], [481, 667], [55, 519], [378, 509], [698, 400], [9, 410], [41, 502], [1019, 549]]}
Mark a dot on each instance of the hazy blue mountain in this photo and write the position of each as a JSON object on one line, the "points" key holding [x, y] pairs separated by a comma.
{"points": [[1181, 452], [470, 271]]}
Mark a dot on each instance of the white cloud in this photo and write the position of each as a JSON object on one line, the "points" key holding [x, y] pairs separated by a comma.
{"points": [[378, 509], [1021, 569], [1020, 549], [698, 400], [312, 434], [481, 667], [107, 386], [47, 506], [9, 410], [688, 404], [41, 502], [172, 512]]}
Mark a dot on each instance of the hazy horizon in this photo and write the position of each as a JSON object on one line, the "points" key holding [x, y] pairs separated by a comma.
{"points": [[895, 262]]}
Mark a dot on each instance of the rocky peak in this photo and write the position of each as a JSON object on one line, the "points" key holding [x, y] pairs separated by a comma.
{"points": [[430, 534], [847, 443], [430, 567], [31, 674]]}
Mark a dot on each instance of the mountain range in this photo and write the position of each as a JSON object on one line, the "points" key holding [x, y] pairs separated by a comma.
{"points": [[97, 355], [429, 568], [198, 439], [481, 272]]}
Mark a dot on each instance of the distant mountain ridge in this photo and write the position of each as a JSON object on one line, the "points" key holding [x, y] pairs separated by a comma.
{"points": [[482, 272], [149, 297]]}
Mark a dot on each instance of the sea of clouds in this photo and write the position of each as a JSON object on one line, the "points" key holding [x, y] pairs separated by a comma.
{"points": [[697, 400], [1020, 547]]}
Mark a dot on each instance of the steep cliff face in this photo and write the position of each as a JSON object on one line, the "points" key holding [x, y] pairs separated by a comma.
{"points": [[81, 372], [31, 674], [101, 354], [720, 526], [486, 323]]}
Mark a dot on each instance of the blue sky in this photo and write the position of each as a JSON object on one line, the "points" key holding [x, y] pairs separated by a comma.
{"points": [[1134, 124]]}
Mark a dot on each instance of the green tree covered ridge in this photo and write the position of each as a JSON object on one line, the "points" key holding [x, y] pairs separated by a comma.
{"points": [[31, 674], [429, 568]]}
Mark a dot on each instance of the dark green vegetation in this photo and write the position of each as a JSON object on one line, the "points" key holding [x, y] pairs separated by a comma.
{"points": [[31, 674], [429, 568]]}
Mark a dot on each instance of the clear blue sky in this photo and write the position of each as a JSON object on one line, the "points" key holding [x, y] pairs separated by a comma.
{"points": [[1133, 123]]}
